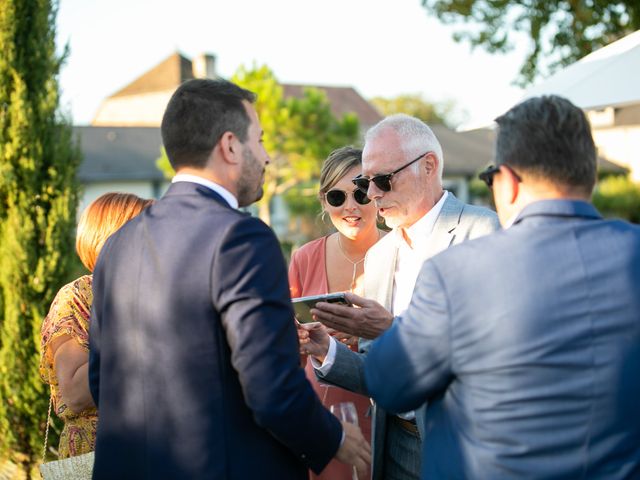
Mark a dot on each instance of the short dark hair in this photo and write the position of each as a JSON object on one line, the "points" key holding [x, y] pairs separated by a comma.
{"points": [[550, 138], [199, 113]]}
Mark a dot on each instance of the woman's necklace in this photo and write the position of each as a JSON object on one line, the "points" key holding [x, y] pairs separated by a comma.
{"points": [[355, 264]]}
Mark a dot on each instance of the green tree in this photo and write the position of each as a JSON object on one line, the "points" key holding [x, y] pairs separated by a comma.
{"points": [[614, 196], [560, 31], [38, 201], [164, 165], [618, 196], [298, 132], [417, 106]]}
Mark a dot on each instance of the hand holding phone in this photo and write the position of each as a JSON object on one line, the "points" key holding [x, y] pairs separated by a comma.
{"points": [[303, 305]]}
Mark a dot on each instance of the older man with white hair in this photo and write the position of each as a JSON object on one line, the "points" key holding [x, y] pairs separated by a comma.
{"points": [[402, 167]]}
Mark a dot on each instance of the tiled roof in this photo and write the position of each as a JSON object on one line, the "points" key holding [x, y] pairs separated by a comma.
{"points": [[119, 153], [167, 75], [130, 153], [177, 68], [607, 166], [342, 99], [466, 153]]}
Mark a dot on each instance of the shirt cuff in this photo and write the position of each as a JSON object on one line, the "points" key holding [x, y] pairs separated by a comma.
{"points": [[329, 359]]}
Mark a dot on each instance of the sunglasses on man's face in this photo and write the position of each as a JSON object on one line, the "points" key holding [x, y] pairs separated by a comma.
{"points": [[488, 173], [336, 198], [383, 182]]}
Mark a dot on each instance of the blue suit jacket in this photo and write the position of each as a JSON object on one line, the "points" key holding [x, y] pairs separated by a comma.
{"points": [[194, 361], [456, 223], [526, 343]]}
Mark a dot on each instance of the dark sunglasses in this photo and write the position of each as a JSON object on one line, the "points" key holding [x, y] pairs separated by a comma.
{"points": [[488, 173], [383, 182], [336, 198]]}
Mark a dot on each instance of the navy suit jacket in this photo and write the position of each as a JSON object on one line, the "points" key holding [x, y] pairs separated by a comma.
{"points": [[526, 343], [194, 362]]}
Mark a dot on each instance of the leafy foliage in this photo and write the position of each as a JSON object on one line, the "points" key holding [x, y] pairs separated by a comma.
{"points": [[614, 196], [38, 200], [561, 31], [618, 196], [164, 165], [479, 192], [416, 106], [299, 133]]}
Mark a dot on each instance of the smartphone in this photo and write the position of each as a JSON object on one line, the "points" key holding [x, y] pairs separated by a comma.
{"points": [[303, 305]]}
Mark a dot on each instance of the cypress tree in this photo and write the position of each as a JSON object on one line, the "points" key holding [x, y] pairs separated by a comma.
{"points": [[38, 200]]}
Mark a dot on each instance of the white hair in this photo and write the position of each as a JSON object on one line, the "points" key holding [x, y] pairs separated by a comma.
{"points": [[415, 136]]}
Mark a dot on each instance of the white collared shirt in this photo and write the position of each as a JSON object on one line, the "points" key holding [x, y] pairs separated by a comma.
{"points": [[410, 258], [219, 189], [419, 234], [409, 262]]}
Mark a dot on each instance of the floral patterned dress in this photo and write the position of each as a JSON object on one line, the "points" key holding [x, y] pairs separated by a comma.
{"points": [[69, 315]]}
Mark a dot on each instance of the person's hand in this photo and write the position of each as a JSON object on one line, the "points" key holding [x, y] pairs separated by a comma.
{"points": [[303, 337], [354, 449], [342, 337], [367, 321], [314, 340]]}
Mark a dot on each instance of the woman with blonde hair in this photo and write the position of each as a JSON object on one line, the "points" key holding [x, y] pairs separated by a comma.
{"points": [[64, 357], [335, 263]]}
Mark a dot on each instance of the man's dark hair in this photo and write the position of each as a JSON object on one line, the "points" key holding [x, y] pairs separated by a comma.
{"points": [[550, 138], [197, 115]]}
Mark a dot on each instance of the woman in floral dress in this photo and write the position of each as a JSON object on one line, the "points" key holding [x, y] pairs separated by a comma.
{"points": [[64, 357]]}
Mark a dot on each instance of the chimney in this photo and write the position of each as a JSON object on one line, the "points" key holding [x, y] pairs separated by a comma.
{"points": [[204, 66]]}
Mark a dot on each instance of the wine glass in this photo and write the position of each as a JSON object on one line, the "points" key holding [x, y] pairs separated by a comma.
{"points": [[346, 411]]}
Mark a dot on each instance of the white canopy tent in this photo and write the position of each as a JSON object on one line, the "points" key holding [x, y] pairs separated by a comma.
{"points": [[601, 83], [608, 77]]}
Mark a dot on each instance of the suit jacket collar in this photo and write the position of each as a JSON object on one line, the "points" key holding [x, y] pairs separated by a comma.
{"points": [[559, 209], [446, 223], [189, 188]]}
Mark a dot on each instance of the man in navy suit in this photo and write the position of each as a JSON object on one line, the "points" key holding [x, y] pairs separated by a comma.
{"points": [[194, 361], [526, 342]]}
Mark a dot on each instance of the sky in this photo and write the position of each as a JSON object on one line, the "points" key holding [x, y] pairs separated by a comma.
{"points": [[380, 48]]}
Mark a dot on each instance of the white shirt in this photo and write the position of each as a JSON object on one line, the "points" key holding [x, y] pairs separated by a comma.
{"points": [[219, 189], [410, 258], [408, 265]]}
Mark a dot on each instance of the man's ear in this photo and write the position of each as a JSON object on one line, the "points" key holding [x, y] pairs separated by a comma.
{"points": [[431, 163], [229, 147], [511, 183]]}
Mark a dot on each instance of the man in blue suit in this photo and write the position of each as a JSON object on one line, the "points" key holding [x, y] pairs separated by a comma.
{"points": [[194, 361], [526, 342]]}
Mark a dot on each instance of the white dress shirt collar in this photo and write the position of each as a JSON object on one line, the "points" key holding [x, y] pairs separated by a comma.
{"points": [[219, 189], [419, 232]]}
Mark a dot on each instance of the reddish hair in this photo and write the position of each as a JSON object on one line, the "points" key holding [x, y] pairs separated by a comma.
{"points": [[101, 218]]}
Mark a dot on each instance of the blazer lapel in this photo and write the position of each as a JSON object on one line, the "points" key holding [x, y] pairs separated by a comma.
{"points": [[380, 270], [444, 228]]}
